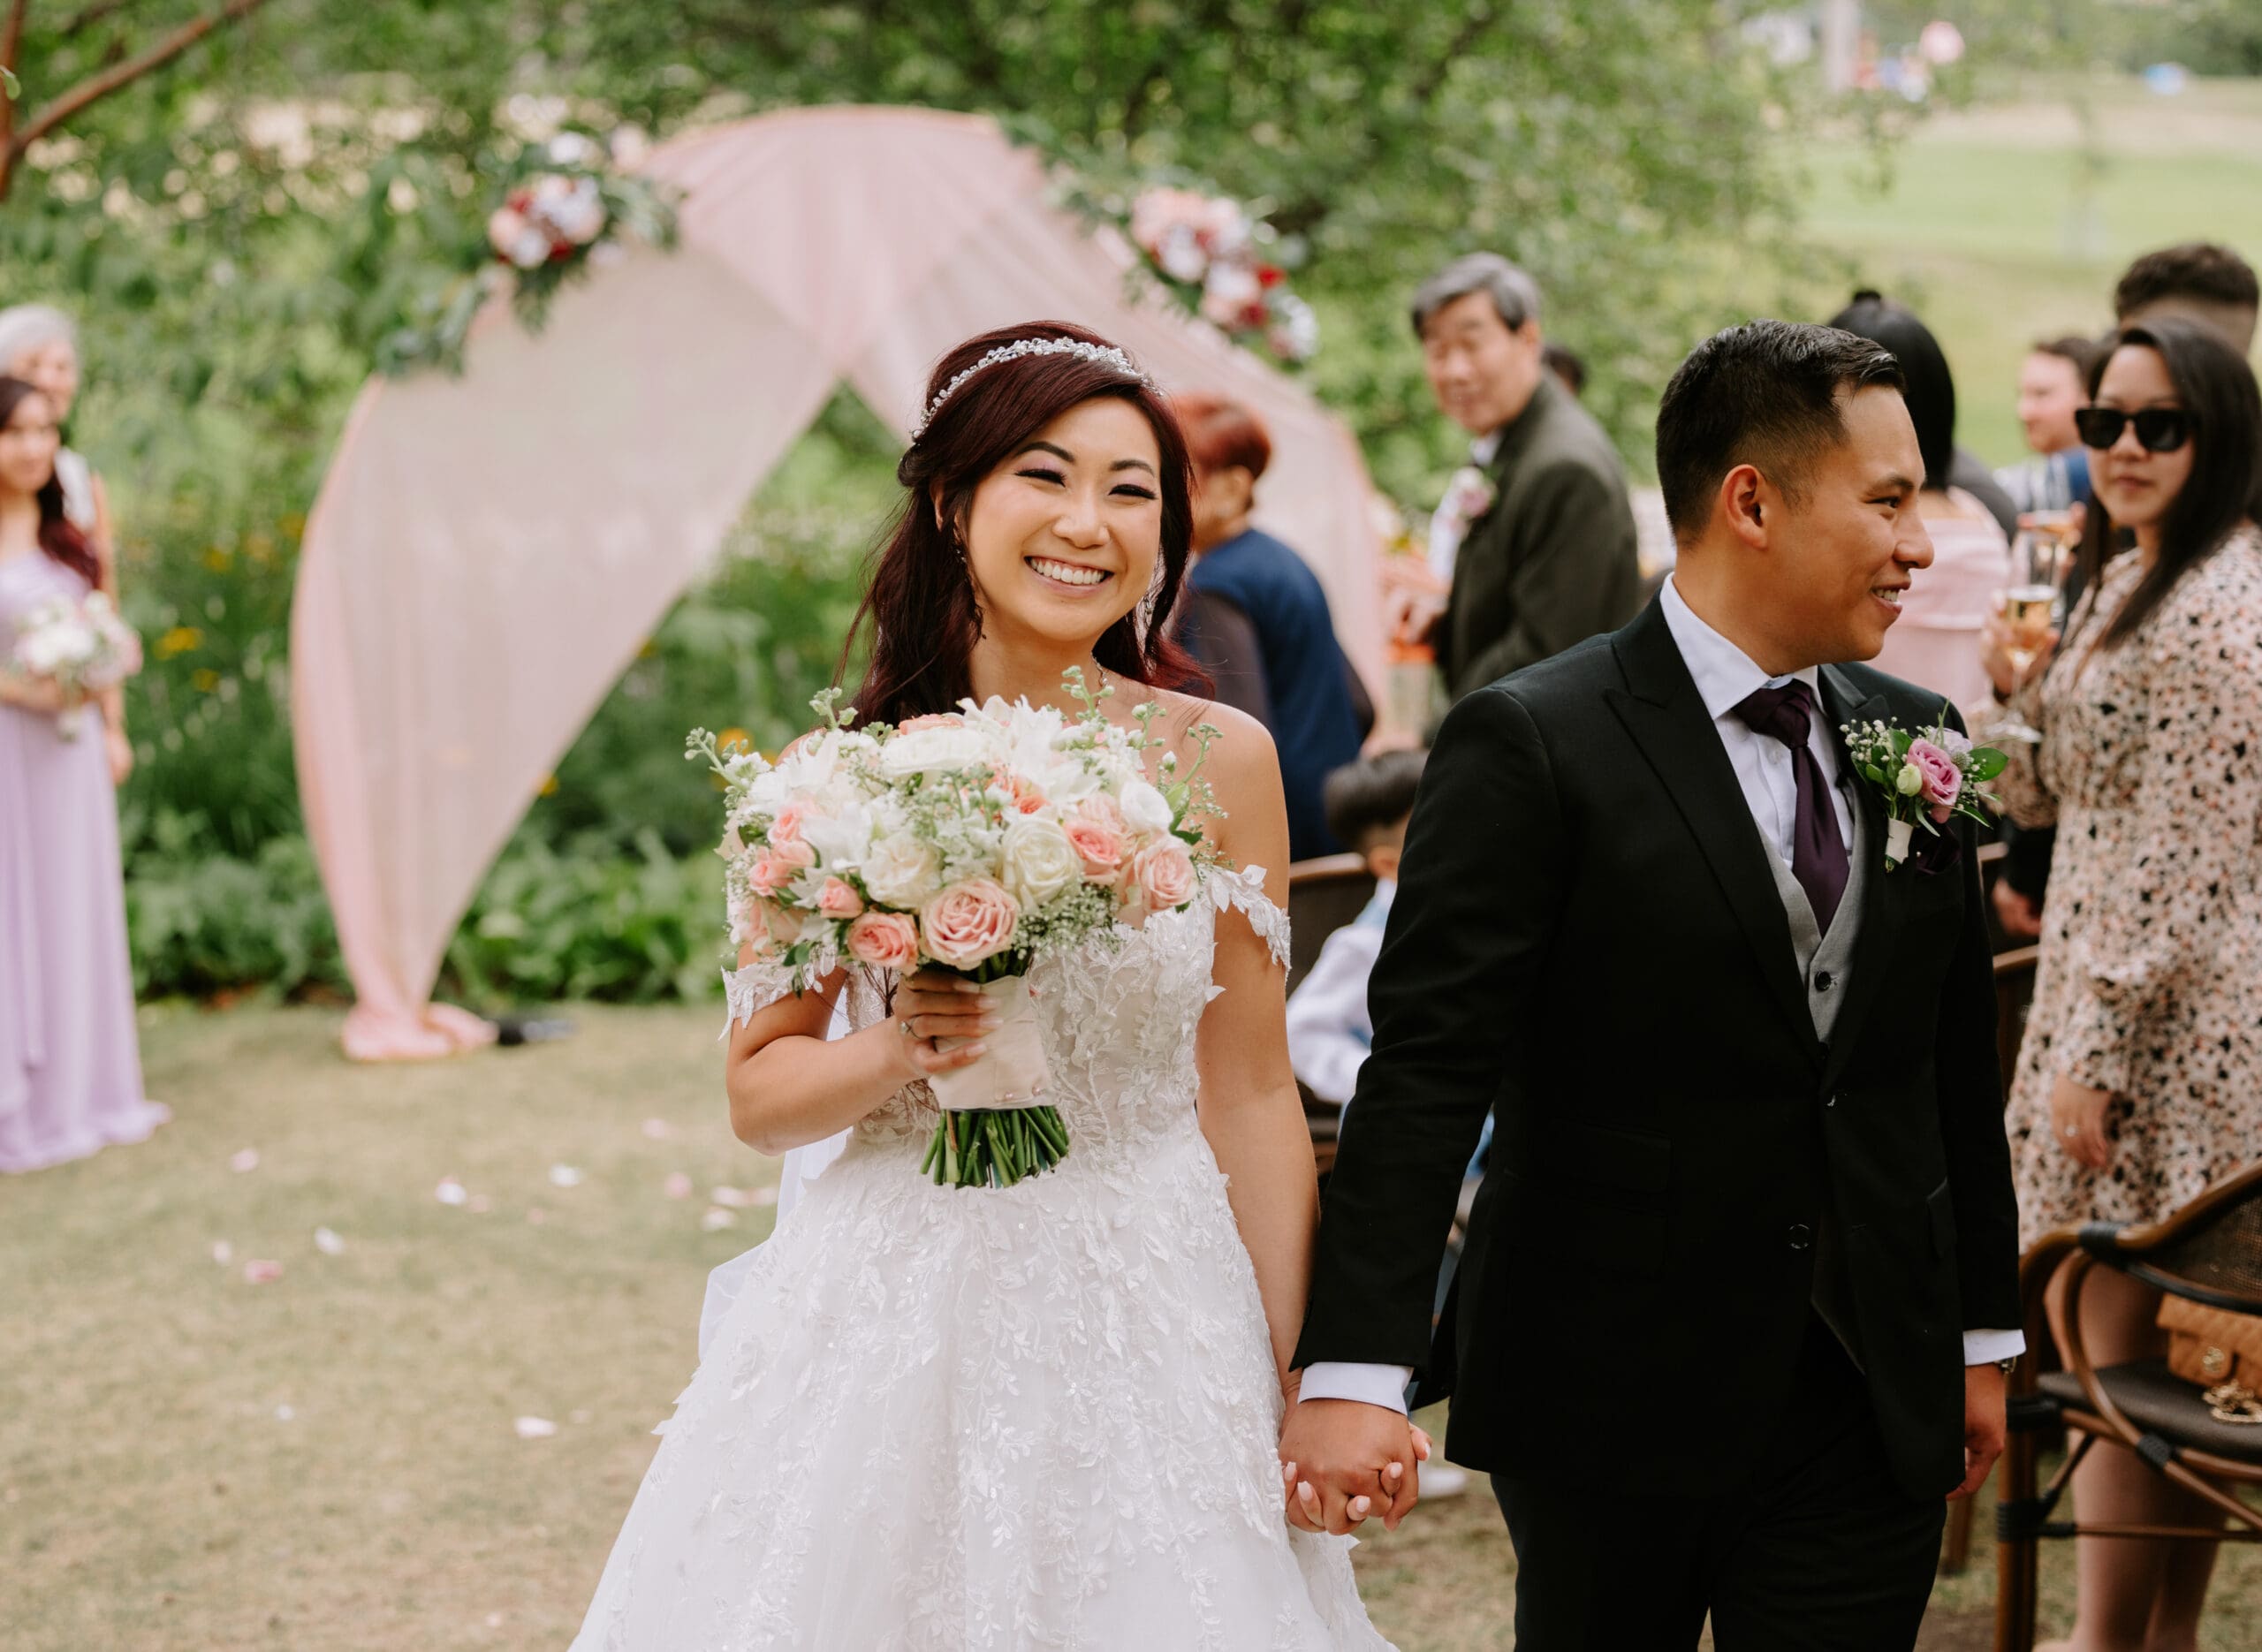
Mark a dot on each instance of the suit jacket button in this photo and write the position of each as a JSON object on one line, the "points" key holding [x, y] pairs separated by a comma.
{"points": [[1801, 1236], [1823, 981]]}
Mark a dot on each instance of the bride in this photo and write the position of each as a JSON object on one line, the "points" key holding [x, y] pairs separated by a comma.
{"points": [[1042, 1416]]}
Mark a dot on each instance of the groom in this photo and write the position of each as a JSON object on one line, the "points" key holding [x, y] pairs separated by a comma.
{"points": [[1727, 1327]]}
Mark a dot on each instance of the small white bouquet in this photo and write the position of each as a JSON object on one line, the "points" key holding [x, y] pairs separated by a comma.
{"points": [[83, 647], [975, 841]]}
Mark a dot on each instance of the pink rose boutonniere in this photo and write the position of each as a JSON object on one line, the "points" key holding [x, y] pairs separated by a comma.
{"points": [[1927, 779], [1469, 496]]}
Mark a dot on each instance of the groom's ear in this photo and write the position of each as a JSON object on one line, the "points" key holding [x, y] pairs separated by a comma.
{"points": [[1749, 505]]}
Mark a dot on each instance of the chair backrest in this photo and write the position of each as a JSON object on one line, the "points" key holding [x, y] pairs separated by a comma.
{"points": [[2212, 1249], [1323, 895], [2013, 995]]}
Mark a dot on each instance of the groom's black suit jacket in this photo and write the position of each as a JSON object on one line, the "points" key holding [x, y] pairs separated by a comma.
{"points": [[1587, 941]]}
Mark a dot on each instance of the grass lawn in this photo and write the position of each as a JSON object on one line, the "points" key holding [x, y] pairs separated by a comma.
{"points": [[1983, 228], [328, 1462]]}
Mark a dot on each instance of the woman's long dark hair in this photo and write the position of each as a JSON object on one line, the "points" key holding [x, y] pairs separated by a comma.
{"points": [[1929, 388], [2221, 400], [919, 601], [58, 537]]}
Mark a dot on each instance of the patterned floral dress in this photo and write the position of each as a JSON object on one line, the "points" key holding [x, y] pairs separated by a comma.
{"points": [[2150, 978]]}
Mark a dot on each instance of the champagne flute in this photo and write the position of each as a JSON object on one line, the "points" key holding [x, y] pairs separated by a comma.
{"points": [[2034, 602]]}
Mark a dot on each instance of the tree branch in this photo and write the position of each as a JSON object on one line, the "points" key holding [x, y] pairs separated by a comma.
{"points": [[93, 14], [96, 87], [12, 41]]}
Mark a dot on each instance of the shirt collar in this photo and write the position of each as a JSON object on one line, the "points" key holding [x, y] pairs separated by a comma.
{"points": [[1724, 674], [1485, 448]]}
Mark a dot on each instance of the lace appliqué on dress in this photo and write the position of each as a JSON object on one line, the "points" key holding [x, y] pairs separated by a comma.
{"points": [[1245, 889]]}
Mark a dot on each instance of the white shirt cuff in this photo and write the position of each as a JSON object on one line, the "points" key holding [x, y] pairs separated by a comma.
{"points": [[1980, 1347], [1383, 1385]]}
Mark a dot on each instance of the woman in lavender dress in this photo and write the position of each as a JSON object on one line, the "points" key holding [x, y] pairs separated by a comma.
{"points": [[70, 1070]]}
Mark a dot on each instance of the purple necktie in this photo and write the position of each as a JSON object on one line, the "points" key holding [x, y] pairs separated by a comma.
{"points": [[1819, 859]]}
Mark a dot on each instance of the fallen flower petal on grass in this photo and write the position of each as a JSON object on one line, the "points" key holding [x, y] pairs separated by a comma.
{"points": [[717, 1218], [246, 1160], [536, 1214], [284, 1414], [222, 1252], [658, 1129], [327, 1243], [763, 1196], [564, 1175], [449, 1192], [479, 1204], [736, 1198], [534, 1428], [263, 1272], [678, 1185]]}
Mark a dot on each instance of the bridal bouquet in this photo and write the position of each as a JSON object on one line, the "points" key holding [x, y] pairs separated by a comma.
{"points": [[83, 647], [974, 842], [1926, 778]]}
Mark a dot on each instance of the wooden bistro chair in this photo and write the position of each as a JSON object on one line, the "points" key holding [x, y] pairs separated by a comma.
{"points": [[2209, 1253], [1323, 895]]}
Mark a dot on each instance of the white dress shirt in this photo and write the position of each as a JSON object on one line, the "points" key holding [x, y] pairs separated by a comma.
{"points": [[1446, 531], [1724, 675], [1329, 1032]]}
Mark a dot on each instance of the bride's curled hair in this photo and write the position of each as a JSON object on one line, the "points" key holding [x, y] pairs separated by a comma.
{"points": [[919, 603]]}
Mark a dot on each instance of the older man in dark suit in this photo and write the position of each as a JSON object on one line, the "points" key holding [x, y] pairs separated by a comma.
{"points": [[1541, 555]]}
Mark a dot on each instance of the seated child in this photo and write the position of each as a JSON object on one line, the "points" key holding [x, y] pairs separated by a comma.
{"points": [[1367, 803]]}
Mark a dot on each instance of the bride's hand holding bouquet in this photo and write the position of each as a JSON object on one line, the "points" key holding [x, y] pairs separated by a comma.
{"points": [[951, 852]]}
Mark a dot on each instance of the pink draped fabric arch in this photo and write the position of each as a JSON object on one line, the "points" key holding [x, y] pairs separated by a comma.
{"points": [[488, 553]]}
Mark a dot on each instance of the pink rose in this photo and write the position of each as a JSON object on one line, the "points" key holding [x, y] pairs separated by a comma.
{"points": [[788, 826], [794, 853], [1943, 780], [771, 875], [1098, 846], [931, 720], [1164, 874], [1101, 810], [969, 923], [884, 940], [838, 898]]}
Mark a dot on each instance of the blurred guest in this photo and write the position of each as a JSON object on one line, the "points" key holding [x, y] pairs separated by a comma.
{"points": [[1369, 803], [40, 345], [2053, 383], [1536, 536], [2197, 281], [2140, 1079], [70, 1067], [1259, 621], [1563, 362], [1936, 641]]}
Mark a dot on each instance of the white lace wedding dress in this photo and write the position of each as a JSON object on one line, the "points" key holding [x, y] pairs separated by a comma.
{"points": [[1041, 1416]]}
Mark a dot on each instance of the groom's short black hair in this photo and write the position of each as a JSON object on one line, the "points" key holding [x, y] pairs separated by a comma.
{"points": [[1766, 394]]}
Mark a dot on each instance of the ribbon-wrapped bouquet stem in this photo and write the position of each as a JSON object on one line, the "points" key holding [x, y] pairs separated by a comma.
{"points": [[976, 842]]}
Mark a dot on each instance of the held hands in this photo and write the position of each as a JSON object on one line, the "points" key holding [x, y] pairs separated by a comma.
{"points": [[1984, 1426], [2077, 1121], [1343, 1460], [933, 1005]]}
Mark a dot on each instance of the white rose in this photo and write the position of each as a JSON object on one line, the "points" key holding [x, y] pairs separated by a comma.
{"points": [[1040, 862], [1145, 808], [839, 840], [900, 871], [934, 751]]}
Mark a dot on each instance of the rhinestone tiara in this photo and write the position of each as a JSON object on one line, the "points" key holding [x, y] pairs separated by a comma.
{"points": [[1107, 355]]}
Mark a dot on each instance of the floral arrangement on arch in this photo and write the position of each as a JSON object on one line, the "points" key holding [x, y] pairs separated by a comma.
{"points": [[1226, 266], [566, 209]]}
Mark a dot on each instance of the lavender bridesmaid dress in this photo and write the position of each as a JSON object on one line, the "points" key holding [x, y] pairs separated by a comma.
{"points": [[70, 1068]]}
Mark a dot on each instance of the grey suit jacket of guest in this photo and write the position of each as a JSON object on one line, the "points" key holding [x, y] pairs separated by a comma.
{"points": [[1553, 562]]}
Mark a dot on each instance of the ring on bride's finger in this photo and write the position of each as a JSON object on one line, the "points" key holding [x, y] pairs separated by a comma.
{"points": [[2070, 1131]]}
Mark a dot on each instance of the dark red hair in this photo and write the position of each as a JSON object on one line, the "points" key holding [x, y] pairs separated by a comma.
{"points": [[58, 537], [1221, 433], [919, 600]]}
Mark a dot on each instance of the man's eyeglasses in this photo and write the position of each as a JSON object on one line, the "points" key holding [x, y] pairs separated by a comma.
{"points": [[2160, 430]]}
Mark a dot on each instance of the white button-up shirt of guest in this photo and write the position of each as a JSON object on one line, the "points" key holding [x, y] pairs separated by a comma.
{"points": [[1725, 675]]}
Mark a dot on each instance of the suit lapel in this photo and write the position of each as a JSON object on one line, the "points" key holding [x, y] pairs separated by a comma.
{"points": [[1883, 891], [1661, 710]]}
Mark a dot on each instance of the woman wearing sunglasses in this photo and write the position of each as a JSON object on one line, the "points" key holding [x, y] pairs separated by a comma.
{"points": [[2140, 1079]]}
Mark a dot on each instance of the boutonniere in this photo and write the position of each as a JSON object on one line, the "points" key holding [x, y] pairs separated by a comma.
{"points": [[1926, 778], [1469, 496]]}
